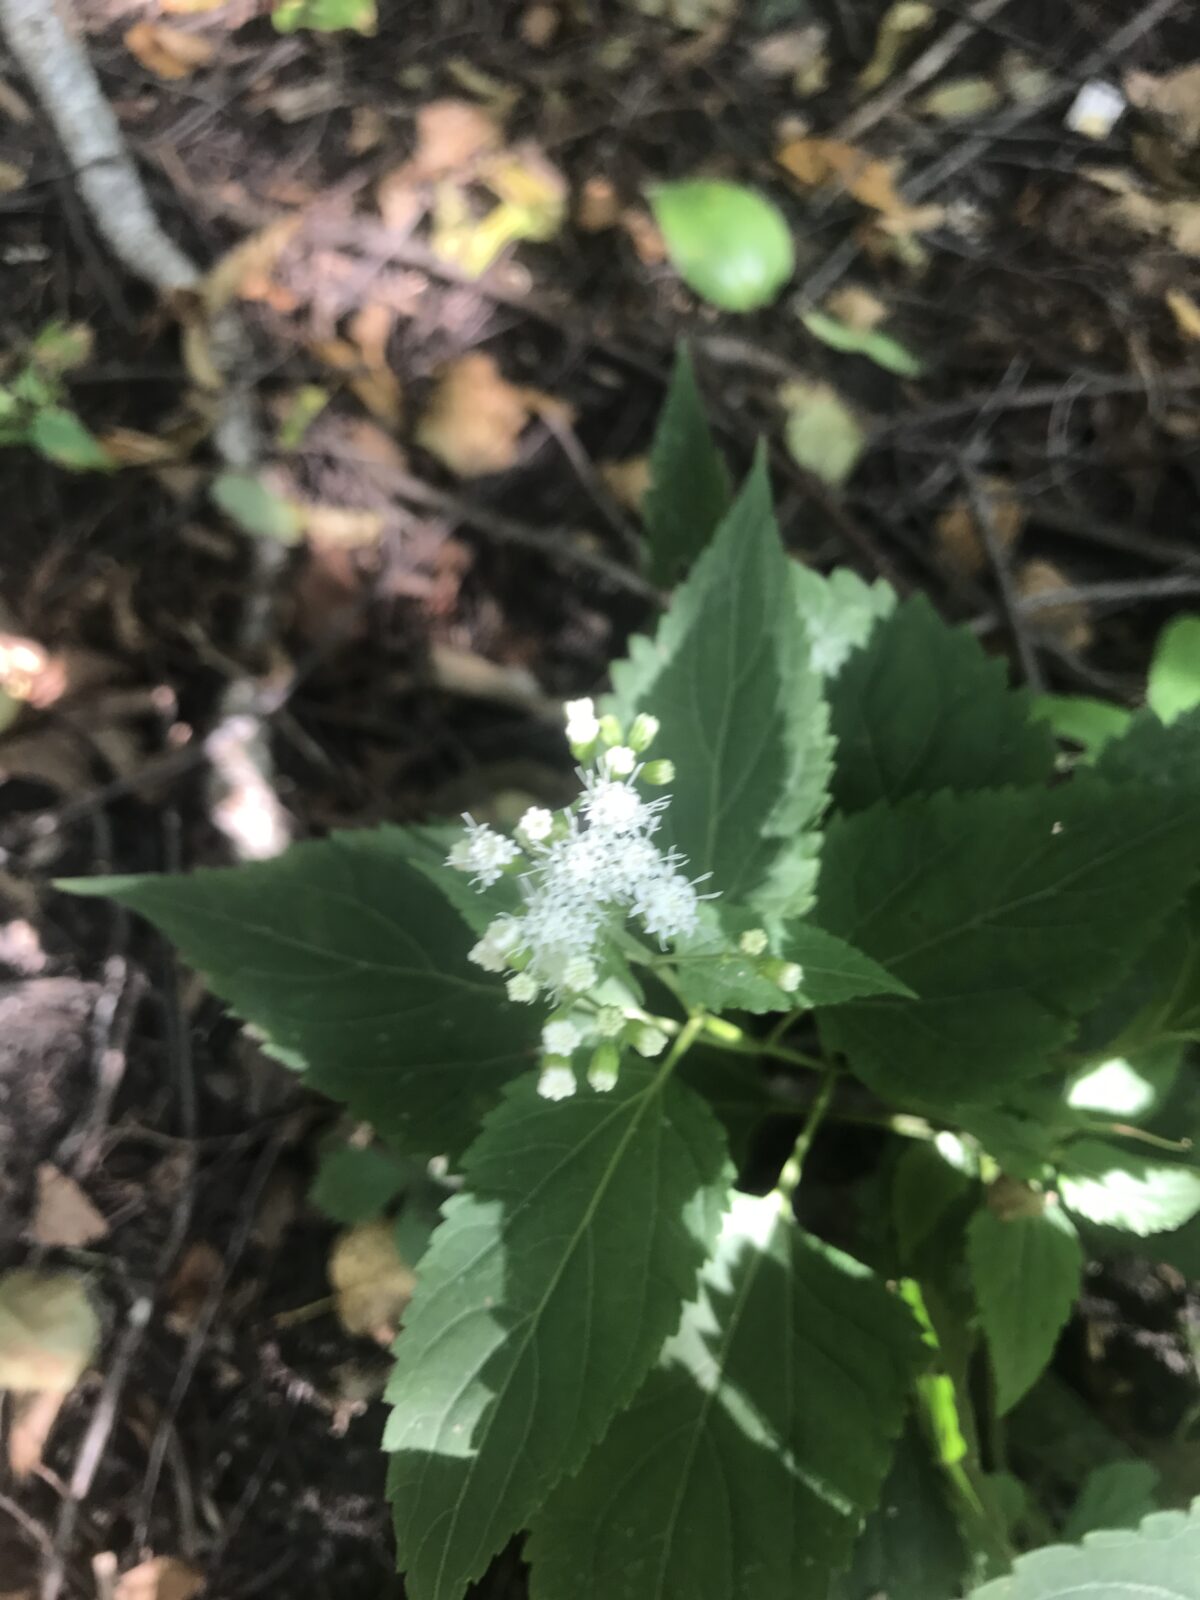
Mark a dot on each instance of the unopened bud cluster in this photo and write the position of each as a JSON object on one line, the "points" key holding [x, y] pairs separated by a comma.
{"points": [[583, 872]]}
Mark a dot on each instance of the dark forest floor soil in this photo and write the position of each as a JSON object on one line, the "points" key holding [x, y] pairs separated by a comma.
{"points": [[418, 640]]}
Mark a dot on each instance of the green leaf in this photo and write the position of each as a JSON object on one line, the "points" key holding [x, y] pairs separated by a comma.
{"points": [[325, 16], [1174, 683], [1026, 1272], [60, 347], [689, 489], [257, 510], [1116, 1495], [544, 1298], [1004, 913], [1161, 1561], [737, 1092], [925, 1187], [1122, 1188], [821, 432], [742, 716], [744, 1467], [834, 971], [878, 347], [910, 1548], [1153, 753], [353, 964], [355, 1185], [728, 243], [59, 435], [838, 613], [921, 708], [1081, 720]]}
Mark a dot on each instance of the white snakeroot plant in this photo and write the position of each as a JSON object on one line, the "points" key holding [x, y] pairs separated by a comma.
{"points": [[867, 886]]}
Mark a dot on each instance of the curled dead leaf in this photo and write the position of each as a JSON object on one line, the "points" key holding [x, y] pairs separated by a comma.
{"points": [[1173, 99], [597, 207], [901, 23], [868, 179], [857, 307], [49, 1331], [474, 418], [451, 134], [34, 1415], [63, 1215], [341, 527], [628, 481], [959, 543], [168, 52], [1186, 312], [1068, 621], [372, 1285], [194, 1280], [160, 1578]]}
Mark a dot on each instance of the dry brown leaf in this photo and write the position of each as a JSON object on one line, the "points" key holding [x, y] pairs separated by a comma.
{"points": [[1186, 312], [956, 532], [341, 526], [132, 448], [400, 201], [194, 1280], [540, 24], [451, 134], [370, 328], [1069, 622], [160, 1578], [869, 180], [475, 417], [598, 207], [243, 271], [168, 52], [644, 235], [857, 307], [33, 1417], [1173, 98], [371, 1284], [190, 8], [368, 126], [12, 177], [63, 1215], [628, 481]]}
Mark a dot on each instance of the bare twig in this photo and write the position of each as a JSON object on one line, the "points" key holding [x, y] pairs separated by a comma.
{"points": [[981, 512]]}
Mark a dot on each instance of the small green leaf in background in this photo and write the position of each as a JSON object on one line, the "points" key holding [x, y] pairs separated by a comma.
{"points": [[1174, 683], [1122, 1188], [1125, 1088], [325, 16], [353, 964], [911, 1547], [1161, 1560], [821, 431], [925, 1186], [745, 1464], [1003, 912], [1116, 1495], [838, 613], [543, 1300], [49, 1331], [878, 347], [1026, 1272], [58, 434], [835, 971], [689, 489], [958, 99], [304, 406], [728, 243], [355, 1185], [1081, 720], [921, 708], [741, 715], [257, 510], [61, 347]]}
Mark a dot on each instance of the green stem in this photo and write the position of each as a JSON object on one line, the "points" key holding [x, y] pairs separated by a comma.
{"points": [[727, 1036], [683, 1041], [789, 1178]]}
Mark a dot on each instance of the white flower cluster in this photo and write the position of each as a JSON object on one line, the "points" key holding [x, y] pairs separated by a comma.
{"points": [[582, 873]]}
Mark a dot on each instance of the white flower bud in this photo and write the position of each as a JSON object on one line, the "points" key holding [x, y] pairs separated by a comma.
{"points": [[609, 1021], [486, 955], [649, 1041], [789, 977], [579, 974], [504, 934], [537, 824], [557, 1081], [560, 1038], [603, 1068], [583, 728], [523, 989], [644, 732], [619, 762], [753, 942], [658, 773]]}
